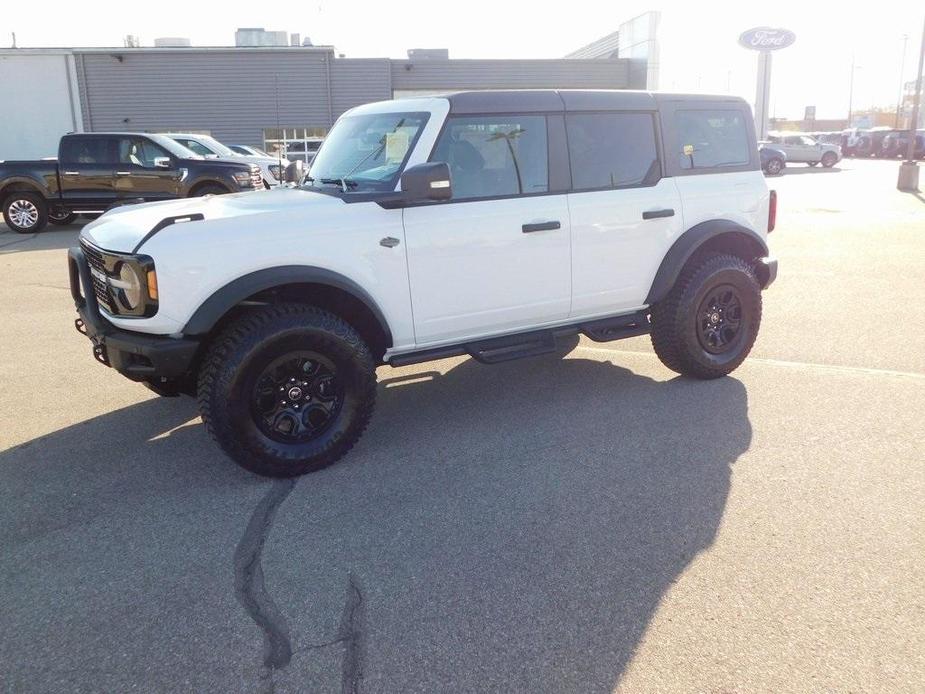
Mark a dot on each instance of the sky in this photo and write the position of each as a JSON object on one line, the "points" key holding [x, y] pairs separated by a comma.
{"points": [[699, 50]]}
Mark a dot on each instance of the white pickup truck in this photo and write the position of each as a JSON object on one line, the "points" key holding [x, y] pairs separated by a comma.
{"points": [[483, 223]]}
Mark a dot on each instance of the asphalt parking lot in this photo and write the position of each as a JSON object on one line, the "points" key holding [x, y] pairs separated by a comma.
{"points": [[582, 523]]}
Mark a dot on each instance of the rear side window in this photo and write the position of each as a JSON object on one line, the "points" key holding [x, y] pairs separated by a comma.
{"points": [[491, 156], [612, 150], [88, 150], [712, 138]]}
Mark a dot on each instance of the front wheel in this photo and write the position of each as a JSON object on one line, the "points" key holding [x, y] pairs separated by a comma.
{"points": [[707, 324], [774, 167], [287, 389], [829, 159], [25, 213], [210, 189]]}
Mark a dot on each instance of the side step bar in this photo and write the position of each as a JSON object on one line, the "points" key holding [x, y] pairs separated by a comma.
{"points": [[530, 344]]}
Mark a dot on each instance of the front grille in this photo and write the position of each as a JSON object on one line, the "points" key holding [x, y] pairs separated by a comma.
{"points": [[101, 289]]}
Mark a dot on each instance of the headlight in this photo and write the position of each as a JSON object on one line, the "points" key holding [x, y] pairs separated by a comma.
{"points": [[242, 178], [277, 171], [129, 285]]}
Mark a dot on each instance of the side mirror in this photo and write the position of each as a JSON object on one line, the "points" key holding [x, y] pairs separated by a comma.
{"points": [[429, 181], [161, 162], [295, 172]]}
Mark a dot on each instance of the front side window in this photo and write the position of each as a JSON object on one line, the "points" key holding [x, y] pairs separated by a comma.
{"points": [[139, 152], [612, 150], [713, 138], [492, 156], [367, 152]]}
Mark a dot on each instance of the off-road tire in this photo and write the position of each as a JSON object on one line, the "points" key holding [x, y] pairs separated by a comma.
{"points": [[235, 361], [829, 159], [25, 200], [675, 318]]}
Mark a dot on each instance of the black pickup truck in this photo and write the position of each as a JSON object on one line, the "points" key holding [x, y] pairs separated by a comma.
{"points": [[97, 171]]}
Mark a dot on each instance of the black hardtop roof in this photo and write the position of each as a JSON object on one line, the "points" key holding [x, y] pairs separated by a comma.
{"points": [[546, 100]]}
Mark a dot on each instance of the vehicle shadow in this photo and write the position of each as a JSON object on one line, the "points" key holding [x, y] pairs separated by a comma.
{"points": [[50, 238], [513, 527], [545, 508]]}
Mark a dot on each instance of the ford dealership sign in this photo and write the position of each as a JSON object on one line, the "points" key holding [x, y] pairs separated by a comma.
{"points": [[766, 39]]}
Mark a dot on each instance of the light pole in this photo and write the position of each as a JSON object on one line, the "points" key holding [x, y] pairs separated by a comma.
{"points": [[902, 70], [851, 90], [909, 170]]}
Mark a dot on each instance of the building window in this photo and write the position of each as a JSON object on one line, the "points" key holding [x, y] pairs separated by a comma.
{"points": [[294, 143]]}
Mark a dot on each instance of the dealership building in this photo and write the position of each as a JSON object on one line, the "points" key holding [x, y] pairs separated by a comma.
{"points": [[266, 95]]}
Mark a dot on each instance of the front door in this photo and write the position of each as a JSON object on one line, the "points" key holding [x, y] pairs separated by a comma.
{"points": [[86, 164], [496, 257], [137, 175]]}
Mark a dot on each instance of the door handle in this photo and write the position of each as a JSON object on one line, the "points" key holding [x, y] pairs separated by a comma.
{"points": [[70, 173], [389, 242], [540, 226], [123, 173], [656, 214]]}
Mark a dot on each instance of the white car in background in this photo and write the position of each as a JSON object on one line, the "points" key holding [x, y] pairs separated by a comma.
{"points": [[801, 148], [248, 150], [206, 146]]}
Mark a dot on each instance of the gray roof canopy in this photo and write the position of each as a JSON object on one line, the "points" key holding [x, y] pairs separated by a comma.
{"points": [[552, 100]]}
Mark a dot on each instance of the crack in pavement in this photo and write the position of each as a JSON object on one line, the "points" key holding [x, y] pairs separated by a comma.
{"points": [[252, 594], [250, 587]]}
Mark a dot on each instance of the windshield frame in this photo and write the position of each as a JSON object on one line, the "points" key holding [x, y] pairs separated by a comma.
{"points": [[365, 185]]}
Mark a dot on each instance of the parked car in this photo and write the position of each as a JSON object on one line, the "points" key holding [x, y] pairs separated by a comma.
{"points": [[96, 171], [250, 151], [870, 142], [271, 170], [896, 144], [508, 220], [803, 148], [303, 150], [773, 160]]}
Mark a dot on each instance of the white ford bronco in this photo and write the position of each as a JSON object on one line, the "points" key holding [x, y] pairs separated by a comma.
{"points": [[484, 223]]}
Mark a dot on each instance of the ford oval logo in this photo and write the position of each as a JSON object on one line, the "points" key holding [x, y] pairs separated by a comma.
{"points": [[766, 39]]}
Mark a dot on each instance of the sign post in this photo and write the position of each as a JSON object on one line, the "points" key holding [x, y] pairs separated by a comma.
{"points": [[764, 40]]}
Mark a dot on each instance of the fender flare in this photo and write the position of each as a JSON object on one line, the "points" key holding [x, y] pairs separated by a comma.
{"points": [[38, 185], [236, 291], [688, 243]]}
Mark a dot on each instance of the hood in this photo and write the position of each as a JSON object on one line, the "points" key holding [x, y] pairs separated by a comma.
{"points": [[123, 228]]}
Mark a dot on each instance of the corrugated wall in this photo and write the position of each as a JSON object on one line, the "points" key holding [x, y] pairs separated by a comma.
{"points": [[230, 93], [510, 74]]}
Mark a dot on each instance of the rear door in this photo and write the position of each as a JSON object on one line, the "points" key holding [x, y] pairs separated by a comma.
{"points": [[137, 175], [624, 214], [86, 165], [496, 257]]}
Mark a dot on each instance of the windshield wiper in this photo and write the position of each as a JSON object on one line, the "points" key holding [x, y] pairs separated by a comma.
{"points": [[344, 183]]}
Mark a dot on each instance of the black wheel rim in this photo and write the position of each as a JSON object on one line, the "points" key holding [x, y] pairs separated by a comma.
{"points": [[719, 319], [297, 397]]}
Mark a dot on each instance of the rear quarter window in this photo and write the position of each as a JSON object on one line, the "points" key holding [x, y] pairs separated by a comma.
{"points": [[712, 138]]}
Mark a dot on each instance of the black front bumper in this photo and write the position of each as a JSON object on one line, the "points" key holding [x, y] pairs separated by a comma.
{"points": [[137, 356]]}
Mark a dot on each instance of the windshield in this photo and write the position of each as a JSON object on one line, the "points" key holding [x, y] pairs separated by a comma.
{"points": [[366, 152], [174, 147]]}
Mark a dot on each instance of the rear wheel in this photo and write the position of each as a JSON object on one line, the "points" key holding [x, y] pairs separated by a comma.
{"points": [[287, 390], [707, 324], [829, 159], [774, 166], [60, 217], [25, 213]]}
